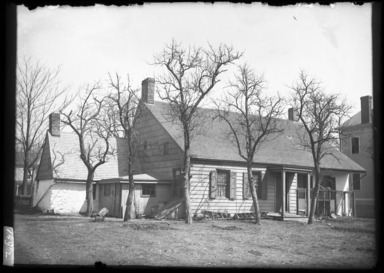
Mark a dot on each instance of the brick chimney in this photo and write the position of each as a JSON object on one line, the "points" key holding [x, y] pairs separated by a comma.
{"points": [[54, 124], [366, 107], [148, 90], [293, 115]]}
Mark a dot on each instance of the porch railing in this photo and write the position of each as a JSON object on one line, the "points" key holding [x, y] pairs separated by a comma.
{"points": [[328, 202]]}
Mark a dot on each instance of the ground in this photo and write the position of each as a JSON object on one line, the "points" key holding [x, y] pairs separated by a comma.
{"points": [[64, 240]]}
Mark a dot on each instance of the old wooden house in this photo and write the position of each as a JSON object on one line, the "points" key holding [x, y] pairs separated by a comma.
{"points": [[282, 169]]}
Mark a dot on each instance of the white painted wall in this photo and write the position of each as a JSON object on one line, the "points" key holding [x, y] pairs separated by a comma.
{"points": [[62, 198], [342, 184], [200, 191], [40, 188]]}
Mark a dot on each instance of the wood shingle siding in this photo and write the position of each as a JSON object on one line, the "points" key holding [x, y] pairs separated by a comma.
{"points": [[201, 196], [153, 159]]}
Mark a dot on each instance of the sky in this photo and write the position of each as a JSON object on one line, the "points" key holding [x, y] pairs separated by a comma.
{"points": [[331, 43]]}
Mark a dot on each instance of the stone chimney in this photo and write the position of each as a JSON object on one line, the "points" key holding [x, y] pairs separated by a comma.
{"points": [[293, 115], [54, 124], [366, 107], [148, 90]]}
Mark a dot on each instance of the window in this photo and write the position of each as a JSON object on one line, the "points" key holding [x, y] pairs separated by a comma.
{"points": [[356, 182], [166, 148], [178, 189], [355, 145], [222, 183], [257, 183], [148, 190], [107, 189]]}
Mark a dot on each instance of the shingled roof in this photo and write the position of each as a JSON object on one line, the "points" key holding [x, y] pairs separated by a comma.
{"points": [[73, 168], [283, 149]]}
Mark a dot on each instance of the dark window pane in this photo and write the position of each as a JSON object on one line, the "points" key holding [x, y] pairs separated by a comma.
{"points": [[355, 145], [222, 183], [148, 190], [356, 181]]}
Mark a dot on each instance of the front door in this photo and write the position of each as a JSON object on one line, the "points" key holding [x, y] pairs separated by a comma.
{"points": [[110, 198], [302, 193]]}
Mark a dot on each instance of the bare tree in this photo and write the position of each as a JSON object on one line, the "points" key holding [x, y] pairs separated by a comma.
{"points": [[93, 129], [252, 119], [38, 91], [190, 76], [125, 110], [321, 115]]}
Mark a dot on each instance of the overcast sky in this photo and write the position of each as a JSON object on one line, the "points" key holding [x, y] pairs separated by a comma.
{"points": [[331, 43]]}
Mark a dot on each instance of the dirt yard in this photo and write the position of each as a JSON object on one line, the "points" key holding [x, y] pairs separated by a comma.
{"points": [[60, 240]]}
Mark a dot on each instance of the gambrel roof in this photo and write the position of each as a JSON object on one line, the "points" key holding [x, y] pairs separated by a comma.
{"points": [[214, 144]]}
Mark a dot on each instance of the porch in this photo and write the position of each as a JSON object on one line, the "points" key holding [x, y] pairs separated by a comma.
{"points": [[294, 192]]}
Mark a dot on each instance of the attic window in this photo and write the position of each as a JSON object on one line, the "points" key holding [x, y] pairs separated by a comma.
{"points": [[355, 145]]}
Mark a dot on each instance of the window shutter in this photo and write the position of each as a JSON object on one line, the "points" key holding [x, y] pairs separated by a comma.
{"points": [[232, 186], [264, 185], [246, 191], [213, 185]]}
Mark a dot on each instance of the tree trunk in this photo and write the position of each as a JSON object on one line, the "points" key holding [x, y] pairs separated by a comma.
{"points": [[254, 195], [316, 190], [130, 210], [187, 201], [89, 193]]}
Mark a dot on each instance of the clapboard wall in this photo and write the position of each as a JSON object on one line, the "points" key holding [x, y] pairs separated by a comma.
{"points": [[153, 139], [200, 187]]}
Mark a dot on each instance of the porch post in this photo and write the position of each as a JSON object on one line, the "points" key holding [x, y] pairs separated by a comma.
{"points": [[284, 196], [308, 194]]}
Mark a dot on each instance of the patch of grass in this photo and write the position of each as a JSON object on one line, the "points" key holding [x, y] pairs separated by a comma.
{"points": [[216, 243]]}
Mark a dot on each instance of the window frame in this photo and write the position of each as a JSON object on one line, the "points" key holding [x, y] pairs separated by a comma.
{"points": [[152, 189], [353, 182], [227, 184], [354, 151]]}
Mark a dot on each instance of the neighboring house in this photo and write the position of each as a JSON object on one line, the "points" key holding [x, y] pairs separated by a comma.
{"points": [[19, 173], [282, 169], [23, 199], [357, 144]]}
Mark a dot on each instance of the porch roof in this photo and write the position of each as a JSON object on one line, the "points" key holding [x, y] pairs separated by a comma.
{"points": [[138, 178]]}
